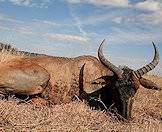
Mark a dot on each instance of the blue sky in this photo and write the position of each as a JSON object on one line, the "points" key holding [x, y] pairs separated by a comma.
{"points": [[76, 27]]}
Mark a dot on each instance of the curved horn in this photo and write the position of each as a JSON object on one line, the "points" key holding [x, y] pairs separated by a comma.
{"points": [[112, 67], [149, 66]]}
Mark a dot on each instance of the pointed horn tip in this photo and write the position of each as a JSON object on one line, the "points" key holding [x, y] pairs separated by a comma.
{"points": [[155, 48], [153, 44], [103, 41], [101, 45]]}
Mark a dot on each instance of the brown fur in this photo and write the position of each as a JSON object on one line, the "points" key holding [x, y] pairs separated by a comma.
{"points": [[22, 77], [64, 75]]}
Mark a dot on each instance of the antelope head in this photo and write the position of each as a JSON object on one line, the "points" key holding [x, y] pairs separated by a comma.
{"points": [[126, 82]]}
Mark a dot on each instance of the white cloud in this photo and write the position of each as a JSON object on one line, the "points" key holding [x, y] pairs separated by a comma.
{"points": [[4, 28], [45, 22], [1, 16], [29, 3], [118, 20], [21, 2], [77, 22], [50, 23], [24, 30], [75, 1], [66, 37], [8, 19], [121, 3], [150, 5], [21, 30], [33, 29], [23, 27], [5, 18], [30, 30], [154, 18], [120, 36], [147, 18], [98, 18]]}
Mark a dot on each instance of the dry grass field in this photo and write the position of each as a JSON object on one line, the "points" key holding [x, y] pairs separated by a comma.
{"points": [[77, 116]]}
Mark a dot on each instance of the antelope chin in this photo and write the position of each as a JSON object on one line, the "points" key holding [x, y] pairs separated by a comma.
{"points": [[126, 108]]}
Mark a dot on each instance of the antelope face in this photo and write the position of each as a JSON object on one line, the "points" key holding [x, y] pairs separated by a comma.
{"points": [[125, 89]]}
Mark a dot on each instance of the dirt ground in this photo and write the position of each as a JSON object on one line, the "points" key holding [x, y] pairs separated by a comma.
{"points": [[77, 116]]}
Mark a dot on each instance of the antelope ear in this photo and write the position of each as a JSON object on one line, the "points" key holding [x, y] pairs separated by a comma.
{"points": [[94, 85], [100, 81], [97, 84], [149, 84], [103, 80]]}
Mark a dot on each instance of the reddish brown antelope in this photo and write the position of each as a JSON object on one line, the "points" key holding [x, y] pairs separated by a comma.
{"points": [[59, 79]]}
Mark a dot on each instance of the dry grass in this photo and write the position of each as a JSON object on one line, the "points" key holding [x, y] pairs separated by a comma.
{"points": [[77, 116]]}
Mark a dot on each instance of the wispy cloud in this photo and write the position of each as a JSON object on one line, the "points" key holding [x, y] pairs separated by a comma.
{"points": [[97, 18], [118, 19], [154, 18], [51, 23], [79, 25], [9, 19], [44, 24], [21, 2], [77, 21], [27, 32], [38, 22], [146, 19], [153, 14], [66, 37], [23, 30], [4, 28], [121, 3], [32, 28], [120, 36], [29, 3], [19, 26], [150, 5]]}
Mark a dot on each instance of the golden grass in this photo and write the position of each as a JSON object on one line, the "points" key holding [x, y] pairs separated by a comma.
{"points": [[77, 116]]}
